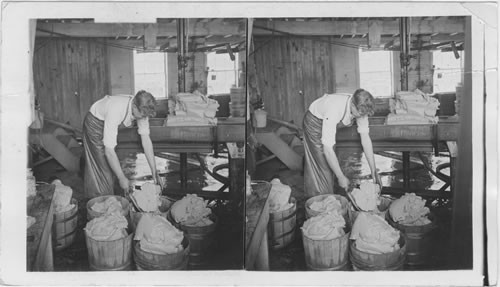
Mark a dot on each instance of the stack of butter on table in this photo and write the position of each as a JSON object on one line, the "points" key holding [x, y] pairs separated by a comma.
{"points": [[412, 108], [193, 109]]}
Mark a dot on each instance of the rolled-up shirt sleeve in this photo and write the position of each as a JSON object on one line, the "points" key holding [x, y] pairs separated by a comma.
{"points": [[143, 126], [362, 125], [328, 132], [110, 131]]}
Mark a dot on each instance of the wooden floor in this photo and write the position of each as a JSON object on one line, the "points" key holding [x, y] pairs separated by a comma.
{"points": [[228, 251], [230, 241], [291, 258]]}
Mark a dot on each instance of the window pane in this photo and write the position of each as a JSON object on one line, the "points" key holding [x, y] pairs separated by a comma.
{"points": [[222, 73], [447, 71], [150, 73], [375, 68]]}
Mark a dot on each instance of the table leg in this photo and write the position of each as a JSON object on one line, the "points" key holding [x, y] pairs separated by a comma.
{"points": [[262, 262], [453, 148], [406, 170], [183, 170], [236, 171], [237, 178]]}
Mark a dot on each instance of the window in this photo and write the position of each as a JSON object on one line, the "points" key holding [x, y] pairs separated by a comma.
{"points": [[375, 69], [222, 73], [448, 71], [150, 73]]}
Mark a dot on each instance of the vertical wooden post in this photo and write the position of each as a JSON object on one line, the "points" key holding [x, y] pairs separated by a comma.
{"points": [[406, 171], [183, 169], [404, 60], [460, 252], [181, 82], [236, 171]]}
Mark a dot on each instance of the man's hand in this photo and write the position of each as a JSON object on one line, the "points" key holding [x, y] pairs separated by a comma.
{"points": [[158, 180], [343, 182], [125, 185], [377, 180]]}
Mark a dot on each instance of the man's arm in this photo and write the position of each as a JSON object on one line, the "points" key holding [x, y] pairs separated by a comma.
{"points": [[147, 146], [114, 163], [333, 162], [366, 142]]}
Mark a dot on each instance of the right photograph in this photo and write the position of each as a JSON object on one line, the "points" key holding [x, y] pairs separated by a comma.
{"points": [[359, 152]]}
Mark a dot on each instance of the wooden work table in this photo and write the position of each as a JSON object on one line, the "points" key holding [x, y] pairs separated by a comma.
{"points": [[257, 215], [39, 256], [168, 138], [421, 137], [196, 139], [394, 138]]}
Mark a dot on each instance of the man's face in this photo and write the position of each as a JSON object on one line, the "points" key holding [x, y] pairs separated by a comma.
{"points": [[136, 112], [354, 111]]}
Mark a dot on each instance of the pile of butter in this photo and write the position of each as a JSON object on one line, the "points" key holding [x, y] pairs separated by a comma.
{"points": [[157, 235], [409, 209], [191, 210], [325, 226]]}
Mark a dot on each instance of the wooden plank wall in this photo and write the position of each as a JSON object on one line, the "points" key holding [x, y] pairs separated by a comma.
{"points": [[292, 72], [69, 75], [121, 68]]}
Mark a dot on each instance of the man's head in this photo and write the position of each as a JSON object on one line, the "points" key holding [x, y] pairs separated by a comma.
{"points": [[362, 104], [144, 105]]}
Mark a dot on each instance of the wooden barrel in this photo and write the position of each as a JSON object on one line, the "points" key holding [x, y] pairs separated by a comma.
{"points": [[150, 261], [382, 209], [64, 227], [326, 255], [201, 240], [91, 214], [311, 213], [418, 240], [365, 261], [281, 226], [136, 216], [110, 255]]}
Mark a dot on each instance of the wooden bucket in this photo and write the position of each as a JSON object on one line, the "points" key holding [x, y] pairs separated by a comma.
{"points": [[136, 216], [383, 208], [281, 227], [418, 240], [326, 255], [387, 261], [110, 255], [343, 201], [64, 227], [201, 239], [91, 214], [150, 261]]}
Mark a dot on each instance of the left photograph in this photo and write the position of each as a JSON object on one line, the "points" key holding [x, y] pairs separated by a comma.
{"points": [[136, 155]]}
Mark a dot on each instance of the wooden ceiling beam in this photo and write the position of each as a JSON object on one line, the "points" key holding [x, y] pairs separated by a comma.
{"points": [[135, 30], [345, 27]]}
